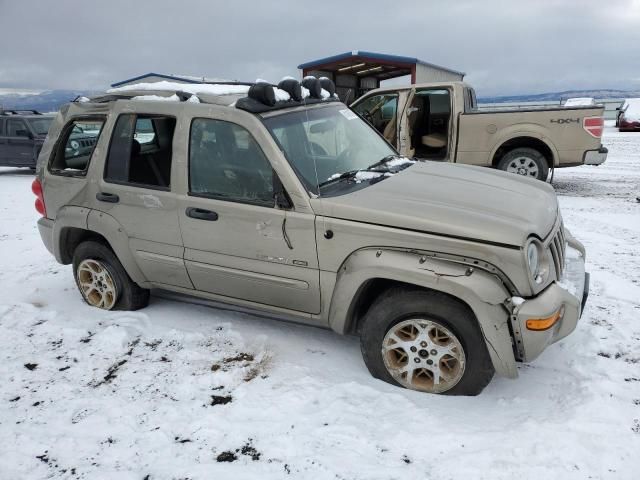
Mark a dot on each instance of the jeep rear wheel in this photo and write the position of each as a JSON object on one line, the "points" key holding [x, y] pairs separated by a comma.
{"points": [[103, 281], [96, 284], [525, 161], [426, 341]]}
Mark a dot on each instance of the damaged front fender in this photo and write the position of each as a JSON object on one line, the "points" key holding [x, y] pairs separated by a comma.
{"points": [[481, 290]]}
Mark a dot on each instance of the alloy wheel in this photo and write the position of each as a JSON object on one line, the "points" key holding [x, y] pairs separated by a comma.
{"points": [[96, 284], [423, 355]]}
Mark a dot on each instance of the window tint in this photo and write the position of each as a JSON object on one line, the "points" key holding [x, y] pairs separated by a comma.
{"points": [[140, 151], [16, 128], [78, 140], [226, 162]]}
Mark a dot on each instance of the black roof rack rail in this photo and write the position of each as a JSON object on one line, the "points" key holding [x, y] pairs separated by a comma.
{"points": [[112, 97], [230, 82], [11, 111]]}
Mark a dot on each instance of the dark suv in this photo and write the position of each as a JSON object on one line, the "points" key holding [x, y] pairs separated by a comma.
{"points": [[22, 133]]}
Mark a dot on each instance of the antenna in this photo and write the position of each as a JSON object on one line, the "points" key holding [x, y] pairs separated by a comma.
{"points": [[315, 164]]}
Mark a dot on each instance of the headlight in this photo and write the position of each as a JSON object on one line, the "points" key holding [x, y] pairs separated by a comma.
{"points": [[533, 261], [75, 145]]}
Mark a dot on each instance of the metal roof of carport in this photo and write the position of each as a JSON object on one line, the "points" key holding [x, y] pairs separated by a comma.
{"points": [[379, 65]]}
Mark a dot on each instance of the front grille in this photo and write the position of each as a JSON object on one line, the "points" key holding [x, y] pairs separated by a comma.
{"points": [[558, 247]]}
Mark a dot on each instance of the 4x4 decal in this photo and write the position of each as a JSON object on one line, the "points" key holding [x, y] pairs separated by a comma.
{"points": [[563, 121]]}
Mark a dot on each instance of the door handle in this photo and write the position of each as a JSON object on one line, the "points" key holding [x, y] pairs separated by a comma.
{"points": [[201, 214], [107, 197]]}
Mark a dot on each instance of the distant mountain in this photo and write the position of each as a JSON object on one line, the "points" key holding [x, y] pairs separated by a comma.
{"points": [[557, 96], [47, 101]]}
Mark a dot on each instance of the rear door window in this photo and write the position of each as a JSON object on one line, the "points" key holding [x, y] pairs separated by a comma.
{"points": [[74, 150], [141, 151]]}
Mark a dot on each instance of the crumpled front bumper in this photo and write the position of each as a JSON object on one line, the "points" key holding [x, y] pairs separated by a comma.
{"points": [[567, 296]]}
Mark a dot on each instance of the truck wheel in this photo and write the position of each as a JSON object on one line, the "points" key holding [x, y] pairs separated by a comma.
{"points": [[525, 161], [425, 340], [103, 281]]}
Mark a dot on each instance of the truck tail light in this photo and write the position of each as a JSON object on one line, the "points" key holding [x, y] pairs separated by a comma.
{"points": [[36, 188], [593, 126]]}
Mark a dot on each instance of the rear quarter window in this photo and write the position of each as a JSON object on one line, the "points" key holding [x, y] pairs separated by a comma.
{"points": [[74, 148]]}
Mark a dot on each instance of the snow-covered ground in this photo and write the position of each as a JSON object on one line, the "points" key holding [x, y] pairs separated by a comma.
{"points": [[171, 391]]}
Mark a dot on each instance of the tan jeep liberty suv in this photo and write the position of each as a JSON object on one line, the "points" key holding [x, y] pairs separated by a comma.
{"points": [[282, 201]]}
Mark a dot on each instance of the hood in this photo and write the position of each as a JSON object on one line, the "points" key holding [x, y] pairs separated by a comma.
{"points": [[454, 200]]}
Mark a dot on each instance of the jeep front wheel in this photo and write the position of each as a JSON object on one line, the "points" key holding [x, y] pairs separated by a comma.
{"points": [[525, 161], [426, 341], [103, 281]]}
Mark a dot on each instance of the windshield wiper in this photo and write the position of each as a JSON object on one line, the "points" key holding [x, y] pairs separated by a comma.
{"points": [[342, 176], [352, 173], [382, 162]]}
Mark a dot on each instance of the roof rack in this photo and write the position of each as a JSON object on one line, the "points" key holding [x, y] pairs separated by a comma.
{"points": [[18, 112], [258, 97]]}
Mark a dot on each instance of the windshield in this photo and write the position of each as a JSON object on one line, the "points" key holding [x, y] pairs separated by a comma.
{"points": [[323, 143], [40, 125]]}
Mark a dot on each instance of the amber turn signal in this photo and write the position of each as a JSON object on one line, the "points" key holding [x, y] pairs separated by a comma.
{"points": [[539, 324]]}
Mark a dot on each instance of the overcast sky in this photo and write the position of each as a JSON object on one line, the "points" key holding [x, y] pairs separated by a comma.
{"points": [[505, 47]]}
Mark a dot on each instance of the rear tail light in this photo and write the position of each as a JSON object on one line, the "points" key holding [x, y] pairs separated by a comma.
{"points": [[593, 126], [36, 188]]}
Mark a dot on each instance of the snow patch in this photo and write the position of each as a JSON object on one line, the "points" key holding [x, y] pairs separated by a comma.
{"points": [[632, 110], [281, 95], [363, 175], [194, 88], [157, 98], [398, 162], [517, 301]]}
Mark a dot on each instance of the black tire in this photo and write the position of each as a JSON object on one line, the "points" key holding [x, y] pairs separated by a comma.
{"points": [[398, 304], [129, 295], [532, 155]]}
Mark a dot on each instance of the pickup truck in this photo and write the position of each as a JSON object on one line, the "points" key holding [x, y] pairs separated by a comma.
{"points": [[441, 121]]}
